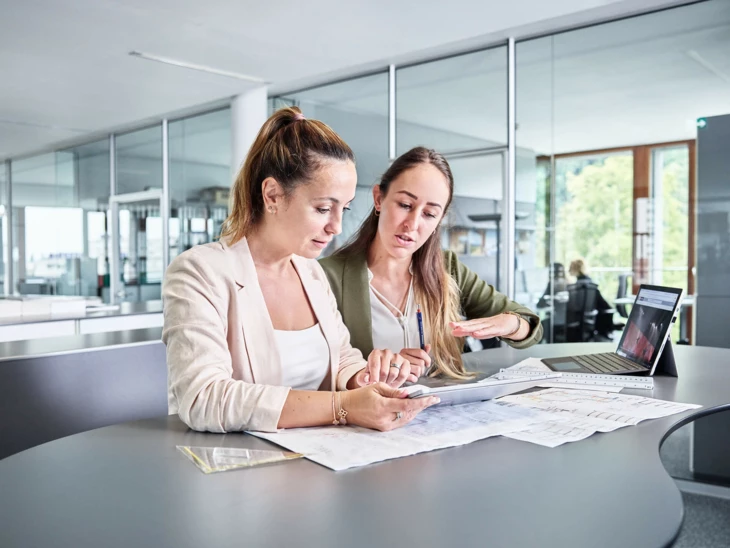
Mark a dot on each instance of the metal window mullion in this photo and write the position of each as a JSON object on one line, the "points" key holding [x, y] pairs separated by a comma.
{"points": [[114, 223], [508, 194], [8, 251], [165, 198], [391, 113], [553, 194]]}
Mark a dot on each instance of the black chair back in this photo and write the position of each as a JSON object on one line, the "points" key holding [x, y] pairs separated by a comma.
{"points": [[581, 313], [623, 289]]}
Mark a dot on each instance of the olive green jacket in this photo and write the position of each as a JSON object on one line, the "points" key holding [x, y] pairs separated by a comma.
{"points": [[348, 277]]}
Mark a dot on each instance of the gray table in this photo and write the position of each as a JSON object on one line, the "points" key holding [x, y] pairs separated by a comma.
{"points": [[126, 485]]}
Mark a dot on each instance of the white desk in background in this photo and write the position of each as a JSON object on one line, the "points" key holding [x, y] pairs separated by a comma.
{"points": [[127, 316]]}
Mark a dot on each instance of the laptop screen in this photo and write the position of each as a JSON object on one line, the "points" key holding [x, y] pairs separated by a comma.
{"points": [[648, 324]]}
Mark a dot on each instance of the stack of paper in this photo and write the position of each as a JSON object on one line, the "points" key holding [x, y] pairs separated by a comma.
{"points": [[340, 448], [548, 417], [578, 414]]}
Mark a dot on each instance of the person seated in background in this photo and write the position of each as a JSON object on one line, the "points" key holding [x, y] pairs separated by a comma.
{"points": [[561, 284], [579, 270], [604, 320]]}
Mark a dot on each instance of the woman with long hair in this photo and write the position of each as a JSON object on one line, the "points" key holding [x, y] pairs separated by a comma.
{"points": [[395, 263], [254, 339]]}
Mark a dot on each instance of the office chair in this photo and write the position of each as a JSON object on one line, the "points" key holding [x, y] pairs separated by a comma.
{"points": [[581, 313], [623, 287]]}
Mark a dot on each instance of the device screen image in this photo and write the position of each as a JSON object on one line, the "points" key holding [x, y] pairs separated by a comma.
{"points": [[650, 319]]}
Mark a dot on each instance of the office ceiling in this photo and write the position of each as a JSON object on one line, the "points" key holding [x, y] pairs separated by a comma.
{"points": [[67, 74], [637, 81]]}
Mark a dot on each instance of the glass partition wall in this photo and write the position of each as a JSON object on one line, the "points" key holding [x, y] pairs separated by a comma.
{"points": [[71, 206], [59, 244], [603, 151], [608, 115], [458, 106], [599, 166]]}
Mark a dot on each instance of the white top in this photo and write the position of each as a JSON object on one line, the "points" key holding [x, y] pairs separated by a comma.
{"points": [[391, 331], [305, 357]]}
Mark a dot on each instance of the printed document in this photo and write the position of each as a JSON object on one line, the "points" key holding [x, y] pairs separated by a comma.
{"points": [[343, 447], [578, 414], [549, 417]]}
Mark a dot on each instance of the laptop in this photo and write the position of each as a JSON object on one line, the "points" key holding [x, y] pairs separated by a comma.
{"points": [[647, 330]]}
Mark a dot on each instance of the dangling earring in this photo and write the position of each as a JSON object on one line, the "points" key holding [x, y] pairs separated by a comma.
{"points": [[377, 213]]}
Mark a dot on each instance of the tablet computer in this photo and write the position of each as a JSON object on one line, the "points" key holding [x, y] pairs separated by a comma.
{"points": [[487, 389]]}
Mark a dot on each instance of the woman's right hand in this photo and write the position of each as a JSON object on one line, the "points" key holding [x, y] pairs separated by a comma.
{"points": [[385, 366], [377, 406]]}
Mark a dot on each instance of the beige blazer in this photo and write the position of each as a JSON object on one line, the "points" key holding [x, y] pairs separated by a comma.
{"points": [[224, 368]]}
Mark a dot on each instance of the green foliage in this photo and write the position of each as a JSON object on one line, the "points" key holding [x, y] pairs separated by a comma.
{"points": [[594, 214]]}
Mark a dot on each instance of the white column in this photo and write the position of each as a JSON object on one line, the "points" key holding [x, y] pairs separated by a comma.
{"points": [[249, 111]]}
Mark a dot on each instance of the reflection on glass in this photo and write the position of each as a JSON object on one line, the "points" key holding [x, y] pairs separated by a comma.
{"points": [[594, 211], [472, 226], [139, 160], [358, 111], [585, 114], [139, 168], [5, 258], [200, 179], [140, 251], [60, 203], [459, 103], [670, 192], [535, 279], [670, 224]]}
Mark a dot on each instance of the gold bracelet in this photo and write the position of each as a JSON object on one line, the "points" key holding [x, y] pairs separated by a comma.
{"points": [[334, 413], [341, 415]]}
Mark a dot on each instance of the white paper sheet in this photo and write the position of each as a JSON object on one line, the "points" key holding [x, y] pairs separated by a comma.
{"points": [[340, 448], [530, 364], [578, 414]]}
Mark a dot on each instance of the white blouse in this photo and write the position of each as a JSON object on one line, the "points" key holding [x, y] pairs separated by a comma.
{"points": [[305, 357], [390, 331]]}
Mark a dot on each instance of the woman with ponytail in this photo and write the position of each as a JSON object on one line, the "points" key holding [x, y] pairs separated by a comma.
{"points": [[254, 339], [394, 263]]}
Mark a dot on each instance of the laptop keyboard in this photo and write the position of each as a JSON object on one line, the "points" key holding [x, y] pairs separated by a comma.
{"points": [[607, 362]]}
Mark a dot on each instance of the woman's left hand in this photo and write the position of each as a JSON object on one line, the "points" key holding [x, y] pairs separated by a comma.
{"points": [[500, 325]]}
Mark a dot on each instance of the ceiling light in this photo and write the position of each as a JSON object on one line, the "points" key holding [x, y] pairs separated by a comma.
{"points": [[201, 68]]}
